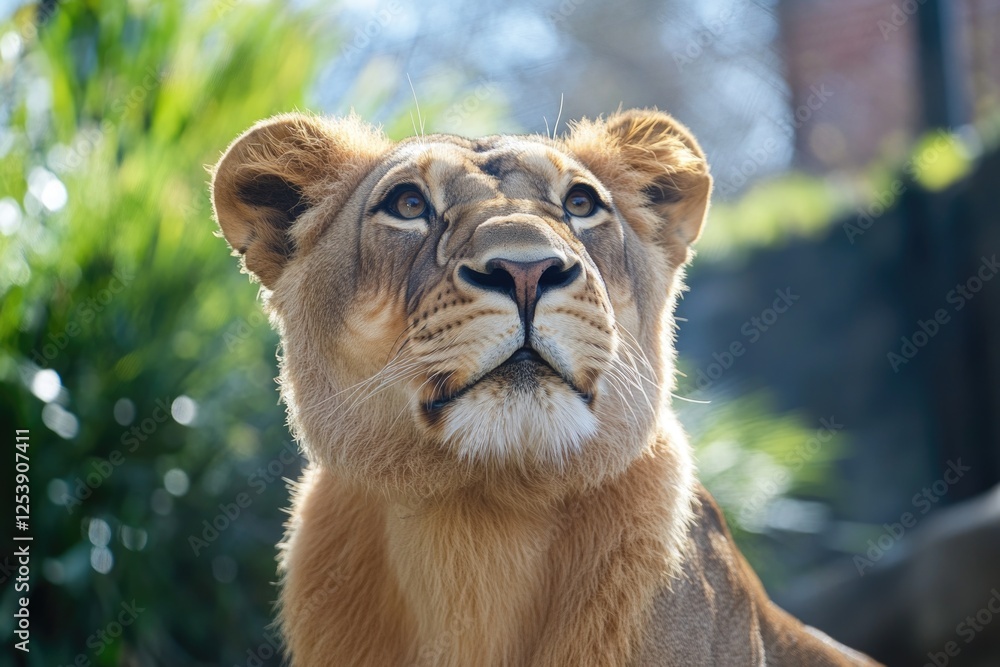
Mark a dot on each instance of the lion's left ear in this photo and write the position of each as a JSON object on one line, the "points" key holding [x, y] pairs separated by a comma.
{"points": [[647, 154]]}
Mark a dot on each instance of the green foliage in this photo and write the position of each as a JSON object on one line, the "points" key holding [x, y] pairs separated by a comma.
{"points": [[768, 472], [770, 211], [113, 280]]}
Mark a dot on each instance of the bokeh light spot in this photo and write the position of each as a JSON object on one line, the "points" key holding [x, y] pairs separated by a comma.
{"points": [[58, 491], [61, 421], [10, 46], [176, 482], [10, 216], [46, 385], [47, 189], [101, 559], [124, 411], [161, 502], [134, 539], [99, 532], [184, 410]]}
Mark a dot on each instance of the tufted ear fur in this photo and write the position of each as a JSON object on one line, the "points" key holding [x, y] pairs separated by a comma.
{"points": [[278, 170], [652, 161]]}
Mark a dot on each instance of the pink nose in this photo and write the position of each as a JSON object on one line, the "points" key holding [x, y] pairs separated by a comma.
{"points": [[524, 282]]}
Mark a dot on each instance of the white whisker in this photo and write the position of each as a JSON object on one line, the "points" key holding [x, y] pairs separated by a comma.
{"points": [[417, 105]]}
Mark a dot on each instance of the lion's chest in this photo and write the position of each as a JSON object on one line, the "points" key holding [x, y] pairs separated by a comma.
{"points": [[458, 588]]}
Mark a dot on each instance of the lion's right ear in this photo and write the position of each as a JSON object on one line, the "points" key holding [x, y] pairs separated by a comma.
{"points": [[279, 169]]}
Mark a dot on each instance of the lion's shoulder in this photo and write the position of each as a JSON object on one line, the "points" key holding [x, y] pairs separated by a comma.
{"points": [[717, 611]]}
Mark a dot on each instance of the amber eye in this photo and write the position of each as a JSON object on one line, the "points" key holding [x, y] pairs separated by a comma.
{"points": [[580, 202], [409, 204]]}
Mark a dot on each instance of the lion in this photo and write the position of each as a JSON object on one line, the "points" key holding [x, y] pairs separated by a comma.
{"points": [[477, 360]]}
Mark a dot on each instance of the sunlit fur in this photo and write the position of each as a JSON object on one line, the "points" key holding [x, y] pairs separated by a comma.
{"points": [[459, 510]]}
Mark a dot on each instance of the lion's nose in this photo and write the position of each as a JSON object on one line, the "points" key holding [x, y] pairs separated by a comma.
{"points": [[524, 282]]}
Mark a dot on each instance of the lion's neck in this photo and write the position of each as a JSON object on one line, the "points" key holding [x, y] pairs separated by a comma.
{"points": [[474, 575], [460, 580]]}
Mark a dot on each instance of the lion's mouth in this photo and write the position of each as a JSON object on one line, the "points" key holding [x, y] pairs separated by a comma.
{"points": [[525, 368], [525, 354]]}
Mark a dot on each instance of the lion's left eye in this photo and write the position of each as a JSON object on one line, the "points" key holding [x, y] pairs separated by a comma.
{"points": [[580, 202], [408, 204]]}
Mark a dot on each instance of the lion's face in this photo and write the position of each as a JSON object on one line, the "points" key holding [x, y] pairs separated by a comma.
{"points": [[497, 256], [458, 310]]}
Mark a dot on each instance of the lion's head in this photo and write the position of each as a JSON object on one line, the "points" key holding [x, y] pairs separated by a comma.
{"points": [[458, 311]]}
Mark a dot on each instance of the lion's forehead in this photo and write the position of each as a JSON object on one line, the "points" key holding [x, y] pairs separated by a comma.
{"points": [[459, 172]]}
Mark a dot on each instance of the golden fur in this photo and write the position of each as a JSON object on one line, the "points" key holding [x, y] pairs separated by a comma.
{"points": [[496, 476]]}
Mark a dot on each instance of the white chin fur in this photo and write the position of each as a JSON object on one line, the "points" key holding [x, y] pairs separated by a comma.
{"points": [[518, 427]]}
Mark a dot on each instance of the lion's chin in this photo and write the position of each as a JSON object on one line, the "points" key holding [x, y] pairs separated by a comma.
{"points": [[518, 423]]}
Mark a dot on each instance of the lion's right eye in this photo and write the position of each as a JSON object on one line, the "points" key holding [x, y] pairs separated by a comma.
{"points": [[580, 202], [408, 204]]}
